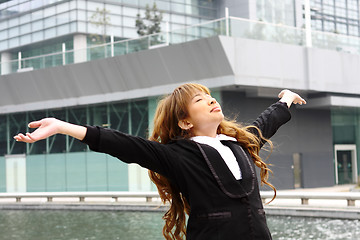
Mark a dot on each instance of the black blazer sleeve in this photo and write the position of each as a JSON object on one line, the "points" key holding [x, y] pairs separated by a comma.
{"points": [[271, 120], [131, 149]]}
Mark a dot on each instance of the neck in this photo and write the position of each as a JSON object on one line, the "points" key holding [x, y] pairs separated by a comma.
{"points": [[205, 132]]}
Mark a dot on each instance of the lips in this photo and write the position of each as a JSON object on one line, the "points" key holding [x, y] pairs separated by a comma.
{"points": [[215, 109]]}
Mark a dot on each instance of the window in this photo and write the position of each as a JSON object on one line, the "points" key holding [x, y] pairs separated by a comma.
{"points": [[36, 26], [354, 30], [163, 5], [77, 116], [341, 28], [49, 22], [17, 123], [63, 29], [328, 9], [178, 7], [132, 12], [37, 36], [49, 33], [81, 15], [63, 18], [25, 28], [143, 3], [92, 6], [40, 146], [329, 26], [3, 135], [353, 14], [178, 19], [25, 39], [37, 15], [13, 22], [3, 34], [340, 3], [50, 11], [129, 22], [57, 143], [13, 32], [341, 12], [25, 18], [63, 7]]}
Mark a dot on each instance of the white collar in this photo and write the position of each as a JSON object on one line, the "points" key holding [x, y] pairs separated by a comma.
{"points": [[218, 137], [225, 137]]}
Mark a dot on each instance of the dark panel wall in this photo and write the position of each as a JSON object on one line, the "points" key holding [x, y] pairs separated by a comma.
{"points": [[307, 133]]}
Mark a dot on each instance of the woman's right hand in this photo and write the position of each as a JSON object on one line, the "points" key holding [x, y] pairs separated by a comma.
{"points": [[45, 128]]}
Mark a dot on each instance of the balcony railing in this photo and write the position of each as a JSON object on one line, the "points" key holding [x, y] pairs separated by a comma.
{"points": [[231, 26]]}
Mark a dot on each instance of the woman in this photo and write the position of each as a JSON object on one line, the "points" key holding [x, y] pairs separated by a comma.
{"points": [[201, 163]]}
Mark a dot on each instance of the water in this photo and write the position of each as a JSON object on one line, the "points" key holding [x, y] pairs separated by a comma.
{"points": [[76, 225], [295, 228]]}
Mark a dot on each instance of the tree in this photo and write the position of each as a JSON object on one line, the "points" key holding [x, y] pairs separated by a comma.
{"points": [[150, 23], [101, 20]]}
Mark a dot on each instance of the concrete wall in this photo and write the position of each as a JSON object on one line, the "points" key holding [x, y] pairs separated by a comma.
{"points": [[307, 133], [147, 73], [277, 65], [227, 62]]}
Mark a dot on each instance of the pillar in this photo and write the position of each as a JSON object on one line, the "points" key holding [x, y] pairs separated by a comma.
{"points": [[80, 51], [5, 63]]}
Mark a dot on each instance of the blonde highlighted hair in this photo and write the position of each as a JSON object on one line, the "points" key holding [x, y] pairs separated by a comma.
{"points": [[169, 112]]}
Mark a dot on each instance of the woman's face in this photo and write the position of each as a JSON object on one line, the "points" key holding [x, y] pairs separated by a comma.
{"points": [[204, 115]]}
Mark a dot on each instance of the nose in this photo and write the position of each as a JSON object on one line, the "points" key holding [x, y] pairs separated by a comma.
{"points": [[212, 101]]}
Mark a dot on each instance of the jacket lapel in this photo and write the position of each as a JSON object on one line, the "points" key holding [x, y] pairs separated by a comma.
{"points": [[226, 181]]}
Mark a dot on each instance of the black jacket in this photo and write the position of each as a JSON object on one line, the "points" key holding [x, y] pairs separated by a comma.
{"points": [[221, 206]]}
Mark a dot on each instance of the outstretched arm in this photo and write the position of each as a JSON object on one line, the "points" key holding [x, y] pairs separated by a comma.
{"points": [[51, 126], [277, 114], [290, 97]]}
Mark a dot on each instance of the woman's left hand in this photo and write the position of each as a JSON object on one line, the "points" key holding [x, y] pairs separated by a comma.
{"points": [[290, 97]]}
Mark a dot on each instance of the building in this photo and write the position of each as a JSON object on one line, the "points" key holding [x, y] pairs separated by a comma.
{"points": [[51, 66]]}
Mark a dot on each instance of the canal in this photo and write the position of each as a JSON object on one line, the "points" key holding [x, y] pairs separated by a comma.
{"points": [[83, 225]]}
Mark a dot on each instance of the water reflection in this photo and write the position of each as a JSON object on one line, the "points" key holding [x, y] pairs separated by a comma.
{"points": [[313, 228], [76, 225]]}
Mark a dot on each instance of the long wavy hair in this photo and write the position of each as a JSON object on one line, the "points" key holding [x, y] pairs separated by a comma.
{"points": [[173, 108]]}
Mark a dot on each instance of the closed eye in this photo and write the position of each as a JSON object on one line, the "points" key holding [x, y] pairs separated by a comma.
{"points": [[198, 100]]}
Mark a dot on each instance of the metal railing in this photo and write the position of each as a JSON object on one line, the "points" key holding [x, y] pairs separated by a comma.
{"points": [[350, 197], [229, 26], [49, 196]]}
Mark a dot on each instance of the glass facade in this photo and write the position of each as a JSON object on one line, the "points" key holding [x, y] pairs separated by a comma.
{"points": [[346, 133], [336, 16], [62, 163], [27, 22], [276, 11], [119, 116]]}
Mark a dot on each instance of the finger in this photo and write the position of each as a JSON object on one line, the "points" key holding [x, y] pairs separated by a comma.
{"points": [[17, 138], [281, 94], [22, 138], [35, 124], [301, 100], [29, 135]]}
